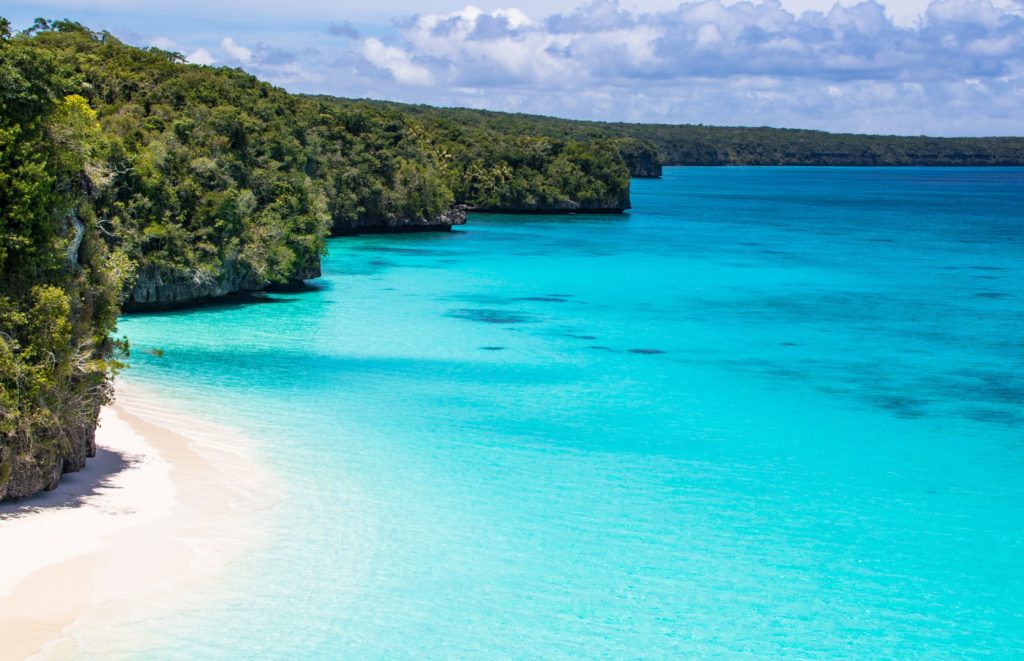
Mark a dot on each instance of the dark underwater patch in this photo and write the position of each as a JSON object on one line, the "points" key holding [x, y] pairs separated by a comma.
{"points": [[492, 348], [646, 352], [786, 373], [490, 316], [986, 386], [992, 415], [542, 299], [900, 405], [479, 299], [398, 250]]}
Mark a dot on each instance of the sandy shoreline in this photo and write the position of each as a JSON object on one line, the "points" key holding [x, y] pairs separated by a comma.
{"points": [[165, 501]]}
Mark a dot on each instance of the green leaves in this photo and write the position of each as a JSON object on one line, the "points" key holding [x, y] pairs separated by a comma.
{"points": [[49, 325], [75, 135]]}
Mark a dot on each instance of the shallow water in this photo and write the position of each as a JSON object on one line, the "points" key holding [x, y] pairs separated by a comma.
{"points": [[769, 411]]}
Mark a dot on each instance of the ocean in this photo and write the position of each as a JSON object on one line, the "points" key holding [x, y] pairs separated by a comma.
{"points": [[770, 411]]}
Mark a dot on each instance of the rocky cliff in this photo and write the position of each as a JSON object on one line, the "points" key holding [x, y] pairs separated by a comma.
{"points": [[644, 166], [365, 224], [641, 158], [563, 206], [57, 438], [28, 466], [160, 288]]}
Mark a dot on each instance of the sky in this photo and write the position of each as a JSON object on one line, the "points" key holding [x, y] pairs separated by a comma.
{"points": [[937, 67]]}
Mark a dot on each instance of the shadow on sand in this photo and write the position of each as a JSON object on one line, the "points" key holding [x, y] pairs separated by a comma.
{"points": [[75, 489]]}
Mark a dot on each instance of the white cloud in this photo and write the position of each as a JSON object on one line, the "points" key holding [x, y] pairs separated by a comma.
{"points": [[397, 62], [235, 51], [163, 43], [708, 35], [853, 67], [200, 56], [997, 47]]}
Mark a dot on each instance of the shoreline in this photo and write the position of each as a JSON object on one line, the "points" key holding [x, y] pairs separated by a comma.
{"points": [[168, 499]]}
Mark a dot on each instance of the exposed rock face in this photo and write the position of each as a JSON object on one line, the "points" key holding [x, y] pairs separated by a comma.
{"points": [[159, 289], [381, 225], [564, 206], [641, 158], [77, 234], [23, 473], [644, 166]]}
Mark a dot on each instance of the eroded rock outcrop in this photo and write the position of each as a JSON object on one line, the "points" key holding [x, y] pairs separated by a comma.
{"points": [[641, 157], [31, 465], [563, 206], [644, 166], [386, 225], [159, 288]]}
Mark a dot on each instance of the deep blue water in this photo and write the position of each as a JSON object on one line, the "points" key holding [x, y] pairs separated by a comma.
{"points": [[770, 411]]}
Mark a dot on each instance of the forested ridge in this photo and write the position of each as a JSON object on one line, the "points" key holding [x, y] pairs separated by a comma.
{"points": [[691, 144]]}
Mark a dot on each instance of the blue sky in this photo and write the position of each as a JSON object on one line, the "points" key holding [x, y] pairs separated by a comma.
{"points": [[944, 67]]}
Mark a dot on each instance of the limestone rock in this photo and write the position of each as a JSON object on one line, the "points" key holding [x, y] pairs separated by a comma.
{"points": [[385, 225]]}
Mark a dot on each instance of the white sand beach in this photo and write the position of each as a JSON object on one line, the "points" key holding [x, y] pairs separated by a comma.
{"points": [[166, 500]]}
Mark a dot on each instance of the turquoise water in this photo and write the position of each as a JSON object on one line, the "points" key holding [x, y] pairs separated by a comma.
{"points": [[770, 411]]}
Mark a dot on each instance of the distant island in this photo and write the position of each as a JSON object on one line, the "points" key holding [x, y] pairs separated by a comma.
{"points": [[131, 180]]}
